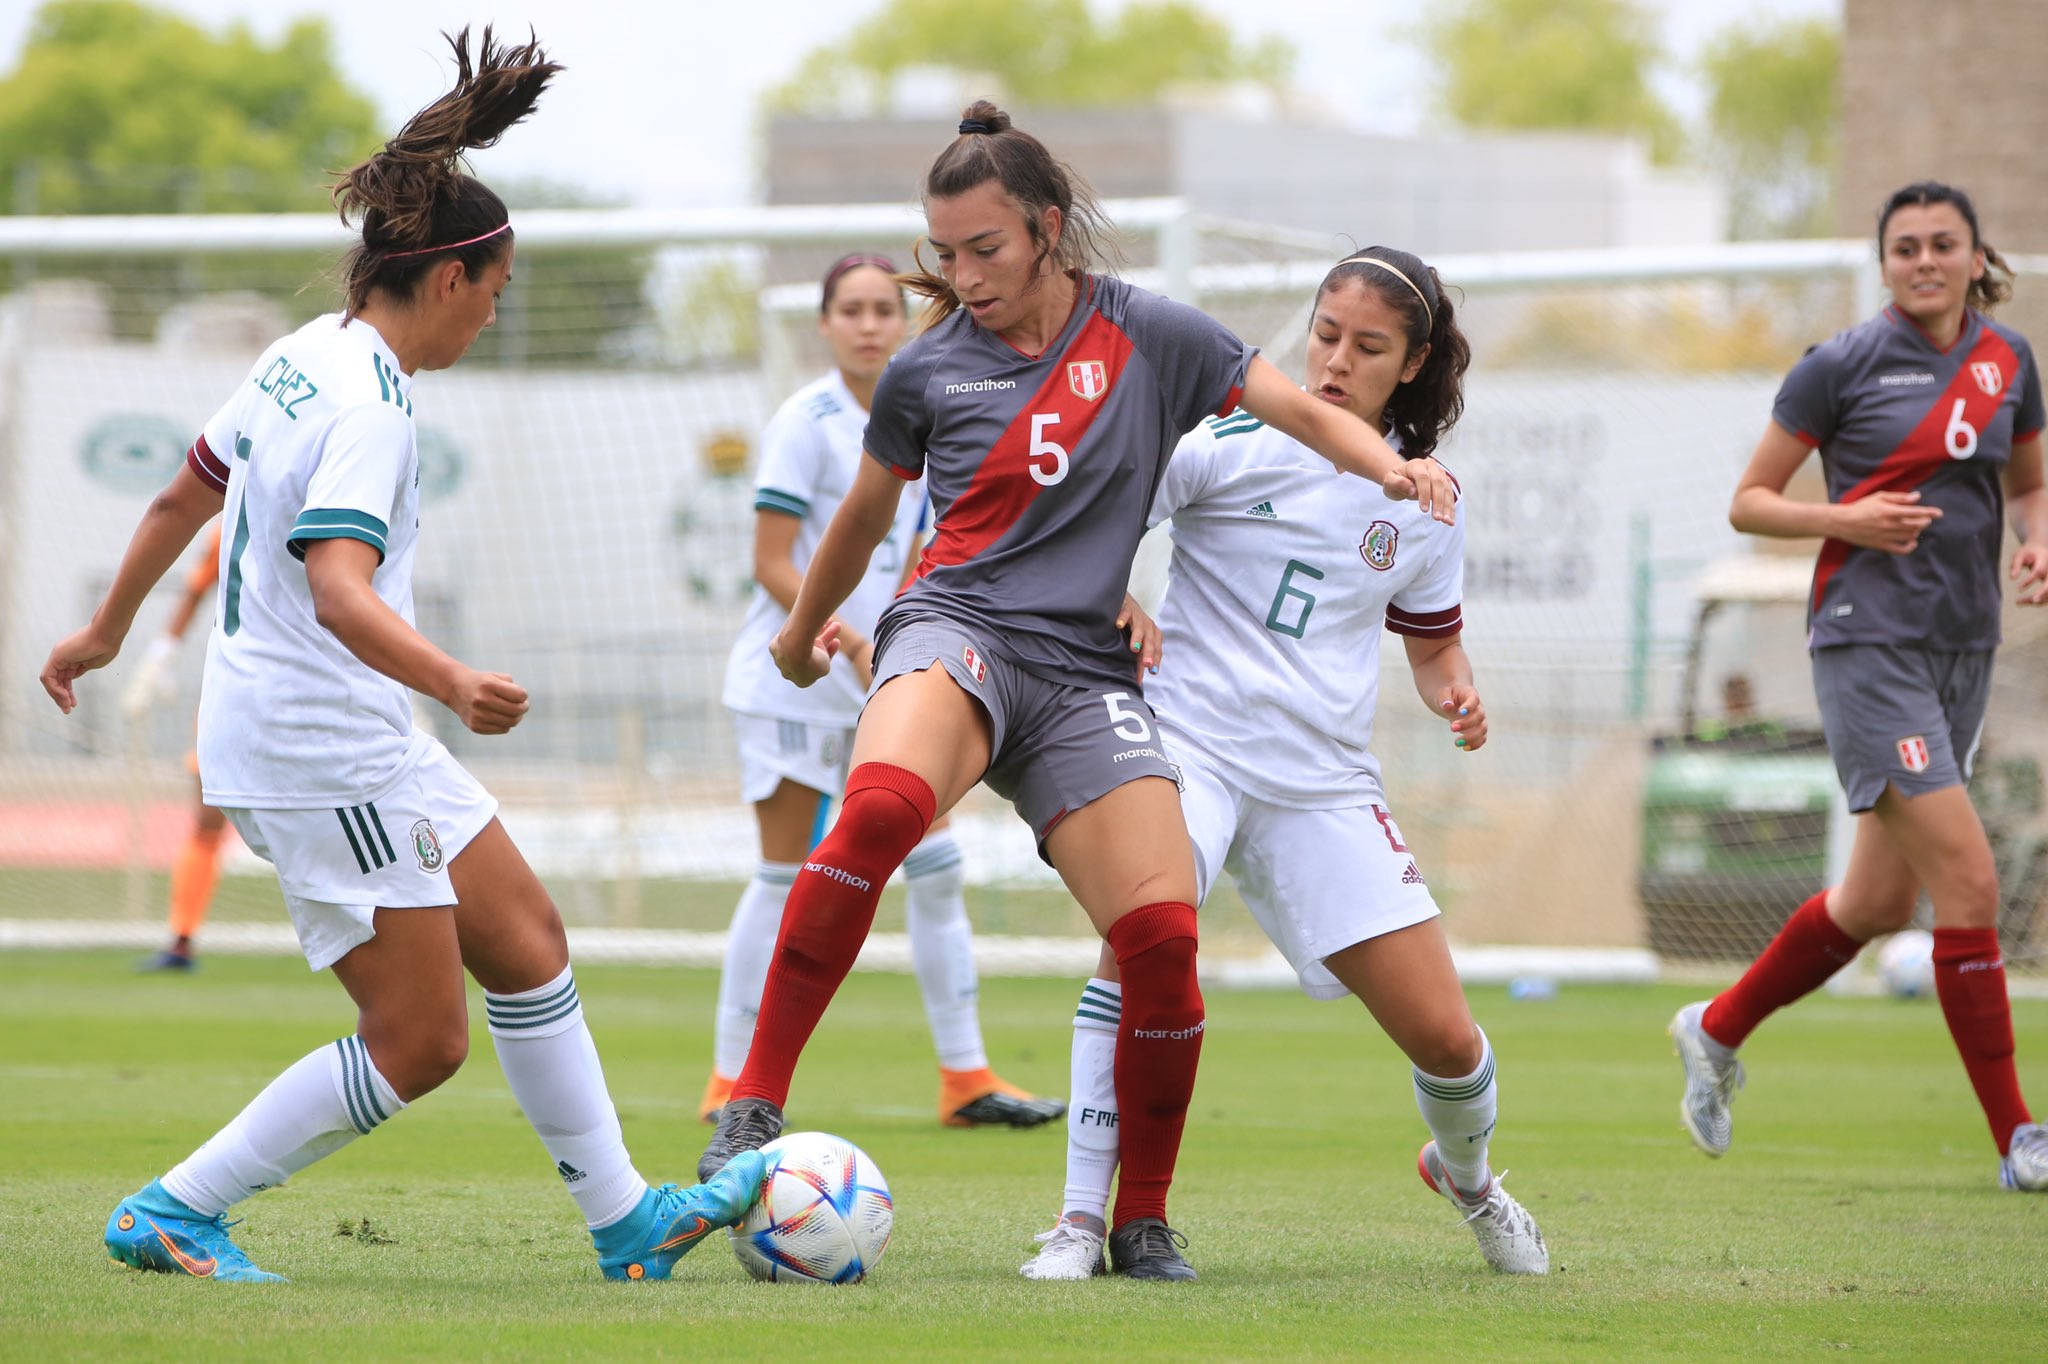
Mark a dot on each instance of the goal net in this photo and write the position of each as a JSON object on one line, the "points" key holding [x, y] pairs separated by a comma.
{"points": [[1652, 791]]}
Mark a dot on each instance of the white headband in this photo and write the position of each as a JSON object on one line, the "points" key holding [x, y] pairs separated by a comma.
{"points": [[1428, 315]]}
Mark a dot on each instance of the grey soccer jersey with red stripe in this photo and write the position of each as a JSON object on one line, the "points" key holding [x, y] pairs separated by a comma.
{"points": [[1890, 411], [1041, 469]]}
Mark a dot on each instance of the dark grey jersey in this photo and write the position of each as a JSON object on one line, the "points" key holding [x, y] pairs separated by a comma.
{"points": [[1041, 469], [1889, 411]]}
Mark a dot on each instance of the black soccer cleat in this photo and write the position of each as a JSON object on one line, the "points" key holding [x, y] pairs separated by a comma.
{"points": [[743, 1125], [1147, 1248], [999, 1109]]}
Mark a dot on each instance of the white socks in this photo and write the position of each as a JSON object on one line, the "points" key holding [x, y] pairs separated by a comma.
{"points": [[1460, 1113], [551, 1064], [942, 951], [749, 947], [1092, 1113], [321, 1104]]}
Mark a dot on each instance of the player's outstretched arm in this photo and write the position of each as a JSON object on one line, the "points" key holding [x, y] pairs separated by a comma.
{"points": [[1443, 678], [809, 638], [347, 605], [2026, 501], [173, 518], [1345, 441]]}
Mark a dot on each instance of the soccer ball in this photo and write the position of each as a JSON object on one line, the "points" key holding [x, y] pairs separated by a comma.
{"points": [[1905, 964], [824, 1213]]}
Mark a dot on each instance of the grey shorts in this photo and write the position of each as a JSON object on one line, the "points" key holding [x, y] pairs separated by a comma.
{"points": [[1056, 747], [1899, 715]]}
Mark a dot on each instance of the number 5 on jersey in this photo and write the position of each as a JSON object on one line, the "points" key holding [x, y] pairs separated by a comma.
{"points": [[1041, 448]]}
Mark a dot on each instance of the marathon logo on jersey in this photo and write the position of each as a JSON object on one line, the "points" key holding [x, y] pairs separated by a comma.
{"points": [[1088, 378], [426, 846], [977, 666], [1379, 544], [981, 386], [1988, 375], [1913, 754]]}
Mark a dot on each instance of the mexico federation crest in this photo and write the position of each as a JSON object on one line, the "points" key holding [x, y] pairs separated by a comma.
{"points": [[426, 845], [1377, 548], [1088, 378], [1988, 375], [1913, 754], [977, 667]]}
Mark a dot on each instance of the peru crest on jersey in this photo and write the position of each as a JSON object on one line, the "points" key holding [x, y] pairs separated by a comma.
{"points": [[1088, 378]]}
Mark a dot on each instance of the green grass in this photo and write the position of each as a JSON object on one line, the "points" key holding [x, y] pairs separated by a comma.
{"points": [[1858, 1211]]}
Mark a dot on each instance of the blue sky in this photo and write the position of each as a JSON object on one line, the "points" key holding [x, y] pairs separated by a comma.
{"points": [[657, 108]]}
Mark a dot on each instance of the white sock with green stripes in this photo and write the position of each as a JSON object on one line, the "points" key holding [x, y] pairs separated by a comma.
{"points": [[1092, 1137], [749, 947], [1460, 1114], [942, 951], [322, 1103], [545, 1049]]}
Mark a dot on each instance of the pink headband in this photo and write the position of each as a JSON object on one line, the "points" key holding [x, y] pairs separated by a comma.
{"points": [[505, 226]]}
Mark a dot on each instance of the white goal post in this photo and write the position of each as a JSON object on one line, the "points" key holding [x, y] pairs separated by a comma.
{"points": [[590, 521]]}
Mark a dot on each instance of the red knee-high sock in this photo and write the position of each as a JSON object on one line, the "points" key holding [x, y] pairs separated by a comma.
{"points": [[1157, 1048], [827, 916], [1969, 979], [1808, 949]]}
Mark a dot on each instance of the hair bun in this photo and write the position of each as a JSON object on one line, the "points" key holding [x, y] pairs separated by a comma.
{"points": [[983, 117]]}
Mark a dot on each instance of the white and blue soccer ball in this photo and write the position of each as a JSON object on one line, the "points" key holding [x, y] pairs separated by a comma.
{"points": [[824, 1214], [1905, 964]]}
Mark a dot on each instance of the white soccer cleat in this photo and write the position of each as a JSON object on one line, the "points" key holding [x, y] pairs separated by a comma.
{"points": [[1712, 1075], [1508, 1236], [2025, 1167], [1069, 1251]]}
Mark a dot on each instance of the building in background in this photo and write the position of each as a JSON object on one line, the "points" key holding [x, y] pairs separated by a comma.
{"points": [[1947, 92], [1435, 195]]}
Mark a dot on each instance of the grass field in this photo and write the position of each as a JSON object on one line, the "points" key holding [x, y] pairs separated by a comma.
{"points": [[1858, 1211]]}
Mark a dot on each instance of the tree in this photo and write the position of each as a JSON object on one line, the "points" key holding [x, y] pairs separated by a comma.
{"points": [[1041, 52], [120, 107], [1772, 119], [1530, 65]]}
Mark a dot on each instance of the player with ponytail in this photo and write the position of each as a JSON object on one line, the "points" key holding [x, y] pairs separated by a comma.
{"points": [[1281, 585], [1928, 421], [394, 867], [1041, 402]]}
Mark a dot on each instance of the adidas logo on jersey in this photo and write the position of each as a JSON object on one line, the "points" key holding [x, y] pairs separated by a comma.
{"points": [[1412, 876], [1264, 511]]}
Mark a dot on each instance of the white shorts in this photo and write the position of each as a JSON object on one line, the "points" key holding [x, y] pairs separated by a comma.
{"points": [[773, 751], [338, 867], [1317, 881]]}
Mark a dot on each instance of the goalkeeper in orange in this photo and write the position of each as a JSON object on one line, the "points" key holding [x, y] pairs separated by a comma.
{"points": [[196, 869]]}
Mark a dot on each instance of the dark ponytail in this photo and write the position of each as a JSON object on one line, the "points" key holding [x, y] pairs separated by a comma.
{"points": [[416, 205], [1425, 407], [989, 148], [1986, 293]]}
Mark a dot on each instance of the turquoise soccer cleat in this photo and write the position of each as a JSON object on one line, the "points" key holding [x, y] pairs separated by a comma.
{"points": [[150, 1229], [670, 1221]]}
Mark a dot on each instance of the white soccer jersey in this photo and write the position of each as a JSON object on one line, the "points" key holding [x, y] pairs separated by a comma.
{"points": [[809, 456], [1284, 573], [317, 444]]}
